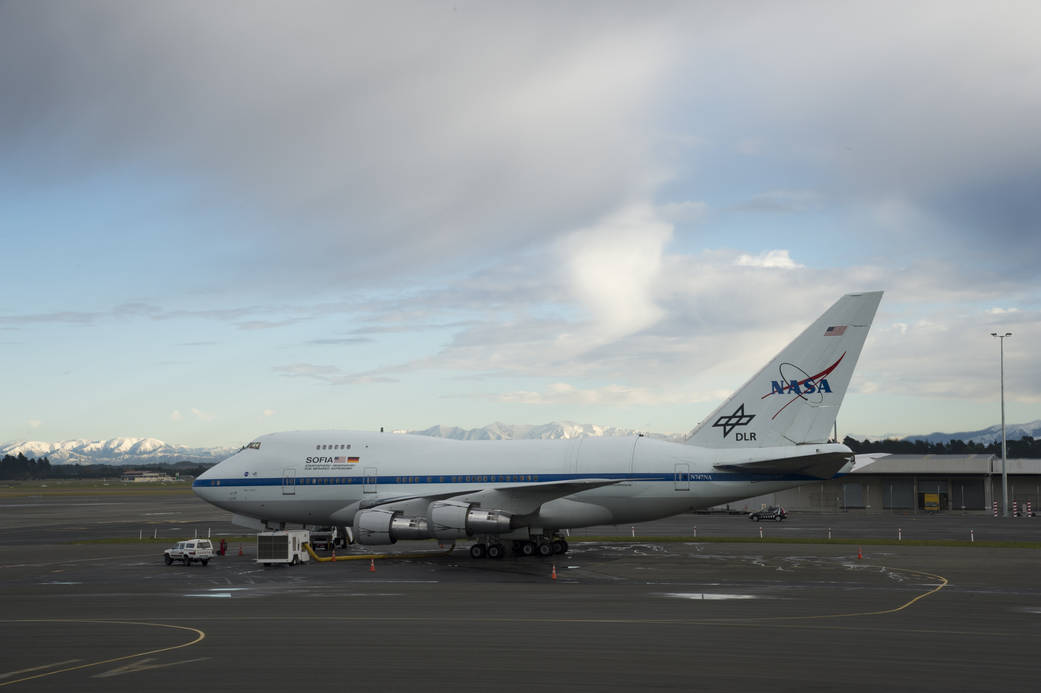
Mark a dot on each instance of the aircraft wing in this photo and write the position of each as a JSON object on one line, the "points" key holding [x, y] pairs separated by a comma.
{"points": [[526, 498], [517, 499], [824, 465]]}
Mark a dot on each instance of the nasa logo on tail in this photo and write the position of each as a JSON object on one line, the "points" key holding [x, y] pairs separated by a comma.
{"points": [[738, 418], [795, 381]]}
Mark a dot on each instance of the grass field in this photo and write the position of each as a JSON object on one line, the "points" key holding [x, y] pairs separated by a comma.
{"points": [[93, 487]]}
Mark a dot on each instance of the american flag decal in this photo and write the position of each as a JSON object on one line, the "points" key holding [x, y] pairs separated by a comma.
{"points": [[835, 331]]}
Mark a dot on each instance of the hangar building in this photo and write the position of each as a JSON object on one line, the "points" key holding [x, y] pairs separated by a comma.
{"points": [[883, 483]]}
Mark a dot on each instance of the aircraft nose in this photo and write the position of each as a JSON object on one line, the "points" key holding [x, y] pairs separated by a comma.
{"points": [[210, 477]]}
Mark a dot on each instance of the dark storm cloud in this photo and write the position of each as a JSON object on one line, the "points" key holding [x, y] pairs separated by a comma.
{"points": [[348, 141]]}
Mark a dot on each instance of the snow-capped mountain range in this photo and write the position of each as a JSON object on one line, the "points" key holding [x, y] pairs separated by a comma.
{"points": [[985, 436], [114, 451], [152, 451]]}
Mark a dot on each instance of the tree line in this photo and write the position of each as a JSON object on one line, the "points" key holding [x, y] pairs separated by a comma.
{"points": [[21, 468], [1025, 447]]}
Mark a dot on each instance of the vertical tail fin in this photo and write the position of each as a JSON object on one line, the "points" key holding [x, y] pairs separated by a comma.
{"points": [[794, 399]]}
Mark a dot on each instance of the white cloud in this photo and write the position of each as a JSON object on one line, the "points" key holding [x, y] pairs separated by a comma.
{"points": [[202, 416], [34, 423], [614, 395], [269, 412], [175, 415], [770, 259], [613, 267]]}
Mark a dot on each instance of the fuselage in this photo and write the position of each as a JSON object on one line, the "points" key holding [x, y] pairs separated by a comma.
{"points": [[326, 477]]}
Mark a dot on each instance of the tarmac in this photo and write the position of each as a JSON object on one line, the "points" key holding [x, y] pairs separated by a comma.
{"points": [[640, 614]]}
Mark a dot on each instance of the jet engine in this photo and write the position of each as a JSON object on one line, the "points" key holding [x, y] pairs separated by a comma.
{"points": [[454, 520], [387, 526], [447, 520]]}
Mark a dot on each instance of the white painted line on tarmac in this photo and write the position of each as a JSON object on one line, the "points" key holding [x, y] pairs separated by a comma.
{"points": [[144, 665], [9, 674]]}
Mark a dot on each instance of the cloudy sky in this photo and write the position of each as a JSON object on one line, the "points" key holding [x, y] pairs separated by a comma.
{"points": [[225, 219]]}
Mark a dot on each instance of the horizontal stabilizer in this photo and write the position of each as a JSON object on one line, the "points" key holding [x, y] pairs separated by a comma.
{"points": [[824, 465]]}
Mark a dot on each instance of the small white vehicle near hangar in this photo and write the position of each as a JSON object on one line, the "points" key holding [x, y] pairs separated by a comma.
{"points": [[283, 546], [200, 550]]}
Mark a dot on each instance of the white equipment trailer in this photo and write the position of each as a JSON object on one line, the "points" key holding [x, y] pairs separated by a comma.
{"points": [[283, 546]]}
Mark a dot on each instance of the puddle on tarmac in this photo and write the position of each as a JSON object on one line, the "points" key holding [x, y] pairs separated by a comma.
{"points": [[708, 596]]}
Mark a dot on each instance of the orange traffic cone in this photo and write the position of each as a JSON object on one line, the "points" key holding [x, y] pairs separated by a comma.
{"points": [[334, 552], [372, 565], [554, 576], [240, 550], [860, 554]]}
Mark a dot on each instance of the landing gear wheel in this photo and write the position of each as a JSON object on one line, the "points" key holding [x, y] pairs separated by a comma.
{"points": [[546, 549], [496, 551], [564, 543], [557, 545], [528, 548], [478, 551], [778, 518]]}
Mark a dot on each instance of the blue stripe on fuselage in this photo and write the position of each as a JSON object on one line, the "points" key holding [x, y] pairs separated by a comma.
{"points": [[357, 480]]}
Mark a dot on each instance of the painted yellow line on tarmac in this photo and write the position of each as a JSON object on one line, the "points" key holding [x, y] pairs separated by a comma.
{"points": [[943, 583], [200, 635]]}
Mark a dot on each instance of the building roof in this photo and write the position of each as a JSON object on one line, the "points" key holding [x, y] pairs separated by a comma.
{"points": [[881, 463]]}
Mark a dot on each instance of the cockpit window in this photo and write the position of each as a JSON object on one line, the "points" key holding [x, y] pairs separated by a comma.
{"points": [[255, 445]]}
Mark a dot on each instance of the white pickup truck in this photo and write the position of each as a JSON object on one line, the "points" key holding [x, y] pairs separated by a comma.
{"points": [[189, 550]]}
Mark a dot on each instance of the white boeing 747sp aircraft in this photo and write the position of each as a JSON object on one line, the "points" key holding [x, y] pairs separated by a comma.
{"points": [[770, 435]]}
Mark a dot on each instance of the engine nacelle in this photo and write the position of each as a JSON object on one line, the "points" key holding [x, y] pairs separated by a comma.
{"points": [[487, 521], [387, 526], [454, 520]]}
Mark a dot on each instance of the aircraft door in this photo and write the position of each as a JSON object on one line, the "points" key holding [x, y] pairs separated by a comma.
{"points": [[681, 477], [371, 480], [289, 481]]}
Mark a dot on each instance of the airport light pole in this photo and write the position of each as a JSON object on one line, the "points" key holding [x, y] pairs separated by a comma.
{"points": [[1004, 475]]}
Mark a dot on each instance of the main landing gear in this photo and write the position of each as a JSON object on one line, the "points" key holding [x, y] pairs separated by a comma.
{"points": [[489, 547], [492, 550]]}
